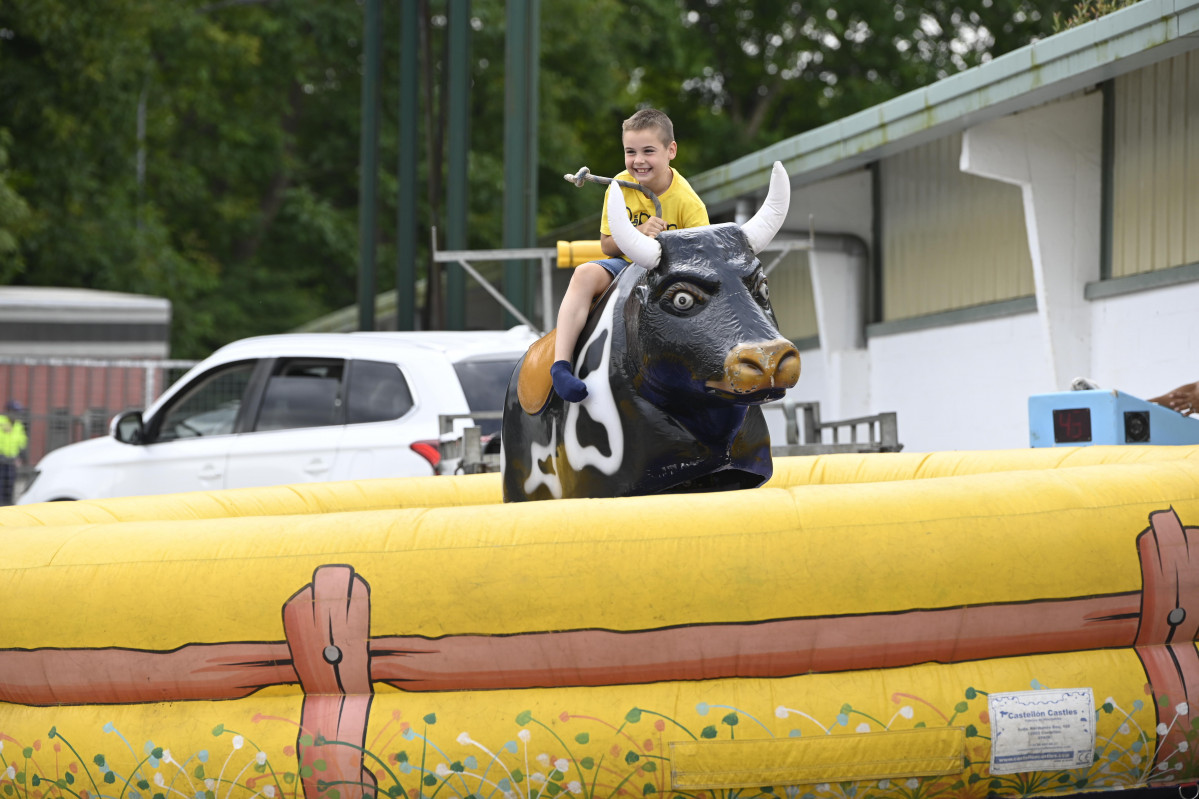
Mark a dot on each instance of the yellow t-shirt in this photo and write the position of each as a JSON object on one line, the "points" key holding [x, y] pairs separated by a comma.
{"points": [[681, 206]]}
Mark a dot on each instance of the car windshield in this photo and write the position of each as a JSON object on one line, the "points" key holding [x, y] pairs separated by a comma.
{"points": [[485, 384]]}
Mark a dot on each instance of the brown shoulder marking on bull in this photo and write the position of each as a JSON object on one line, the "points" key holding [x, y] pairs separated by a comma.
{"points": [[534, 384]]}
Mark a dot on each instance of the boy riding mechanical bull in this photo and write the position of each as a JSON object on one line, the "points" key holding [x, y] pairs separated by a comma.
{"points": [[677, 356]]}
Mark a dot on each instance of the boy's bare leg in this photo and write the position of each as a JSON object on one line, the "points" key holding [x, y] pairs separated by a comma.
{"points": [[588, 282]]}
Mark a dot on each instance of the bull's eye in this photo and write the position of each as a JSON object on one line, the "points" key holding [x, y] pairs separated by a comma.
{"points": [[684, 299], [763, 290]]}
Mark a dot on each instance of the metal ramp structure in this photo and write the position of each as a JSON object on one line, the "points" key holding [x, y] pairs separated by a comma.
{"points": [[463, 451], [807, 434], [566, 255]]}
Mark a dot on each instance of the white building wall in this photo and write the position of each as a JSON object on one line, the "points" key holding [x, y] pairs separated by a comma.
{"points": [[960, 387], [966, 387], [837, 205], [1147, 343]]}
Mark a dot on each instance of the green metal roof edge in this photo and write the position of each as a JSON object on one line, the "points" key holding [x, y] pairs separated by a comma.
{"points": [[1125, 40], [345, 319]]}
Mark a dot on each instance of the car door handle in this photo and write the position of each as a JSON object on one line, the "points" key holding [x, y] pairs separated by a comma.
{"points": [[210, 472], [316, 466]]}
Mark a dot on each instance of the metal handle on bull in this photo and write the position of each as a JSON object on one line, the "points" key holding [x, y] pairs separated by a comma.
{"points": [[584, 175]]}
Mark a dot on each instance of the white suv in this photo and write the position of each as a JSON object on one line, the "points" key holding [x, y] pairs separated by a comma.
{"points": [[293, 408]]}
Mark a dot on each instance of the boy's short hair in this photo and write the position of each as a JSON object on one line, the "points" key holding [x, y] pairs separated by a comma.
{"points": [[646, 118]]}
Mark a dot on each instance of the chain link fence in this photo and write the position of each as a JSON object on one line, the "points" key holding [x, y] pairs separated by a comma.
{"points": [[64, 400]]}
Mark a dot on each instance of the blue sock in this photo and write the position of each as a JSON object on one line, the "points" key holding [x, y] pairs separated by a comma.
{"points": [[569, 387]]}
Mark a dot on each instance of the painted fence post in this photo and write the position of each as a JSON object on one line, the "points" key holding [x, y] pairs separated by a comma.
{"points": [[1165, 639], [327, 625]]}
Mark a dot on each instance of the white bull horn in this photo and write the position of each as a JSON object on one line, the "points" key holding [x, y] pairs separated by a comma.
{"points": [[642, 249], [766, 222]]}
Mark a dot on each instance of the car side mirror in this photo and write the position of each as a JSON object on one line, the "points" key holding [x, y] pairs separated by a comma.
{"points": [[127, 427]]}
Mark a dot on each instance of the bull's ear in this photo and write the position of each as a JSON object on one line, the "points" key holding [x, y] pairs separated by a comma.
{"points": [[766, 222], [642, 249]]}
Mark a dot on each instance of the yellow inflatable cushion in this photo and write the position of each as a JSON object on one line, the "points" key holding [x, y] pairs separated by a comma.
{"points": [[485, 489]]}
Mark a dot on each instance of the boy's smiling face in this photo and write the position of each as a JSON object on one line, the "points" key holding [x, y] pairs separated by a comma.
{"points": [[648, 159]]}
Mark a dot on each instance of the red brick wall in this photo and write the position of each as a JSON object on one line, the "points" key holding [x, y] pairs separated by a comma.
{"points": [[69, 401]]}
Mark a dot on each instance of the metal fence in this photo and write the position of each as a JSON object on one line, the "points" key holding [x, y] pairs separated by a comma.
{"points": [[806, 434], [65, 400]]}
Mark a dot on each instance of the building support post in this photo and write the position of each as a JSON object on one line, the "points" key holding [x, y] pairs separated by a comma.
{"points": [[1054, 154]]}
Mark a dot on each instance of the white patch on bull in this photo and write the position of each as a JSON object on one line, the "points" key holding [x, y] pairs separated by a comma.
{"points": [[600, 405], [537, 477]]}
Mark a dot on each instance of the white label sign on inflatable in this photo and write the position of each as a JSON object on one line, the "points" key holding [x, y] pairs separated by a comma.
{"points": [[1049, 729]]}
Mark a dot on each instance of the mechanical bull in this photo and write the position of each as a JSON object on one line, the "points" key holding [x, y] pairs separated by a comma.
{"points": [[677, 356]]}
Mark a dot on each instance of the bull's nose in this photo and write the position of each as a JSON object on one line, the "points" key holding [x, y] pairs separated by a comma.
{"points": [[750, 368]]}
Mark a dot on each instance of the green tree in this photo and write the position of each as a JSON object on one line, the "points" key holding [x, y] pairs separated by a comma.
{"points": [[157, 148], [14, 218], [1087, 10], [737, 75], [207, 150]]}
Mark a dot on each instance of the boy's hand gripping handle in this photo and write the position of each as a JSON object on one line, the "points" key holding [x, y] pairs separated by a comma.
{"points": [[584, 175]]}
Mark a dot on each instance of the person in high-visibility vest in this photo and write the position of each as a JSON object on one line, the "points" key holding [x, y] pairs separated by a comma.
{"points": [[13, 441]]}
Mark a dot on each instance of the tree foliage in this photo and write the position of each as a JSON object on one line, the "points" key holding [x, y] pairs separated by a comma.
{"points": [[1086, 10], [207, 150], [738, 75]]}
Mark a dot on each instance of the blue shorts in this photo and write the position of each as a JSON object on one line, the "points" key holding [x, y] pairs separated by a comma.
{"points": [[614, 266]]}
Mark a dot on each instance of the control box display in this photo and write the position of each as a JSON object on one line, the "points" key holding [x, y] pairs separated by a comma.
{"points": [[1104, 416]]}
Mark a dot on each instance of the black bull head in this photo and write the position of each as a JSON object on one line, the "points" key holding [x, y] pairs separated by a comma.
{"points": [[677, 356]]}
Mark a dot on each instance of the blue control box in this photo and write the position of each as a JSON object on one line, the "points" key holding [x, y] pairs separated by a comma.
{"points": [[1104, 416]]}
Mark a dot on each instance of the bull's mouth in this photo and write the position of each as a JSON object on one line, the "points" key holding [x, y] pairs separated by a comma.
{"points": [[757, 372], [722, 391]]}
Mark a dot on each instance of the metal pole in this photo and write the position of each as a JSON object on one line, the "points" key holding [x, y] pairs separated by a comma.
{"points": [[406, 170], [460, 257], [516, 134], [532, 116], [500, 298], [548, 312], [459, 147], [367, 158], [148, 393]]}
